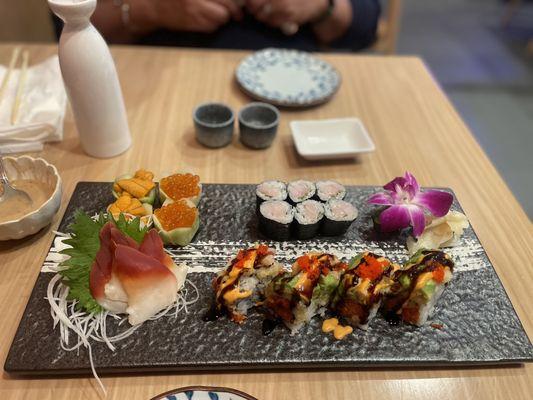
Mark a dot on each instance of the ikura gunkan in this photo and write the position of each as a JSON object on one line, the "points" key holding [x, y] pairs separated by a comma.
{"points": [[417, 287], [359, 294], [237, 288], [177, 222], [180, 186], [297, 296]]}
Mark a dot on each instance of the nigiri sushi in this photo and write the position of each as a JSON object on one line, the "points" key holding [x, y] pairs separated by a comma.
{"points": [[238, 287], [358, 296], [295, 297], [418, 286]]}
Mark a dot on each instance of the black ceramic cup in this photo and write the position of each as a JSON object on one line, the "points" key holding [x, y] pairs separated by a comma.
{"points": [[214, 124], [258, 125]]}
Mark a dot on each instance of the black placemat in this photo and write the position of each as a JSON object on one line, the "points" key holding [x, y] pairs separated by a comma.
{"points": [[479, 324]]}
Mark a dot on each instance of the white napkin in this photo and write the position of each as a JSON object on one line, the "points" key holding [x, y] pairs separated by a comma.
{"points": [[42, 108]]}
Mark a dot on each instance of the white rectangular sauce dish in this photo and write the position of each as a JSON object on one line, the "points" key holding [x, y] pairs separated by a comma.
{"points": [[331, 138]]}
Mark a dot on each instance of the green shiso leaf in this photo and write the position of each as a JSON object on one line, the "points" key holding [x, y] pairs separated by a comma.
{"points": [[85, 243]]}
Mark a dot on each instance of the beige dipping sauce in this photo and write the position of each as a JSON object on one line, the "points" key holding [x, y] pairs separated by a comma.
{"points": [[13, 208]]}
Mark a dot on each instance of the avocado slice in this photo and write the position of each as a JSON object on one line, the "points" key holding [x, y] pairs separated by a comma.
{"points": [[405, 281], [429, 288]]}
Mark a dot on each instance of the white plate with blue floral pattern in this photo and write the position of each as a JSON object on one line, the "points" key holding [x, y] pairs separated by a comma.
{"points": [[288, 78], [204, 393]]}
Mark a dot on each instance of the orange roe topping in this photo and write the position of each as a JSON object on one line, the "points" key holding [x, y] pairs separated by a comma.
{"points": [[438, 274], [240, 255], [304, 262], [262, 250], [176, 215], [180, 186], [371, 268]]}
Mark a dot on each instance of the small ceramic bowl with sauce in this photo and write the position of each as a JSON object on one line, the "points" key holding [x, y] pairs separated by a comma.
{"points": [[42, 182]]}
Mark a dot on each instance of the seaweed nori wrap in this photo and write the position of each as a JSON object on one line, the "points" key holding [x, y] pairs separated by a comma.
{"points": [[308, 217], [338, 216], [275, 219]]}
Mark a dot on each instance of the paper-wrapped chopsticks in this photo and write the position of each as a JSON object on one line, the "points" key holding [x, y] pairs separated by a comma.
{"points": [[21, 81]]}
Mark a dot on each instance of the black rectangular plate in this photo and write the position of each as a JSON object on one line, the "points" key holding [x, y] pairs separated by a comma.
{"points": [[480, 326]]}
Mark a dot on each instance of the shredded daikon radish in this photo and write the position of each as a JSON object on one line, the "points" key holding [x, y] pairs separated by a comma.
{"points": [[93, 327]]}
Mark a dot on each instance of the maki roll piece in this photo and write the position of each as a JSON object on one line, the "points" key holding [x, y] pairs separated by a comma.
{"points": [[270, 190], [301, 190], [418, 286], [359, 294], [275, 219], [338, 216], [326, 190], [238, 287], [308, 216], [297, 296]]}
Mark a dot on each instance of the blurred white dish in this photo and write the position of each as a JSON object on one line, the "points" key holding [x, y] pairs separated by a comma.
{"points": [[331, 138], [288, 78], [42, 109], [29, 168]]}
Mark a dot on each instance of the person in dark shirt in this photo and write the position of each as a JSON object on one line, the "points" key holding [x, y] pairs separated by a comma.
{"points": [[240, 24]]}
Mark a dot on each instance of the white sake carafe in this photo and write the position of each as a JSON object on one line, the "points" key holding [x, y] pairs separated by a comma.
{"points": [[91, 81]]}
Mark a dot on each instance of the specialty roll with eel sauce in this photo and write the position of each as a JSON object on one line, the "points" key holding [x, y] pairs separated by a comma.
{"points": [[237, 288], [297, 296], [418, 286], [359, 294]]}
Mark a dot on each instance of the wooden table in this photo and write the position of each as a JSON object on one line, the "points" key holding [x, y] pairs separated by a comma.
{"points": [[414, 127]]}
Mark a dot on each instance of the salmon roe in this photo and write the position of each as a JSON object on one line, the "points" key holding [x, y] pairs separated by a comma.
{"points": [[371, 268], [176, 215], [180, 186], [438, 274]]}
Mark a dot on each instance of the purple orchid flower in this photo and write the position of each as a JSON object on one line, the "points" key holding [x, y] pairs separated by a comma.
{"points": [[406, 204]]}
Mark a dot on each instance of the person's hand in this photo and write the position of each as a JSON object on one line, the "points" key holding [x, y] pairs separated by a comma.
{"points": [[194, 15], [279, 13]]}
